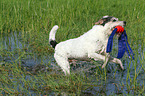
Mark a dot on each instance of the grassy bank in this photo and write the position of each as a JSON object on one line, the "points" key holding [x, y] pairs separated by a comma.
{"points": [[38, 17], [32, 20]]}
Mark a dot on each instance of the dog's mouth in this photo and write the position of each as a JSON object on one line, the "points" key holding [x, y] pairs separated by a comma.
{"points": [[123, 25], [116, 26], [118, 34]]}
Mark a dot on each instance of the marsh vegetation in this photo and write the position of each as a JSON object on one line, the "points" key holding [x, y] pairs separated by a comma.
{"points": [[27, 66]]}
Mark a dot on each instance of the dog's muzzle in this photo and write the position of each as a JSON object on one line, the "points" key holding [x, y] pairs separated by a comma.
{"points": [[124, 24]]}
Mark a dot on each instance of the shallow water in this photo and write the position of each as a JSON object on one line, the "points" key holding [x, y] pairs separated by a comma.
{"points": [[116, 80]]}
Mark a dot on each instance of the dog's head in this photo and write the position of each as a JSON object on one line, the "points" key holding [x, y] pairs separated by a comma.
{"points": [[110, 22]]}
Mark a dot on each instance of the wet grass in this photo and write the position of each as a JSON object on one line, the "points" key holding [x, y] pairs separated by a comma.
{"points": [[27, 66]]}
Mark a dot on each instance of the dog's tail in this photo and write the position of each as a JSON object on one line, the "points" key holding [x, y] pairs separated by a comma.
{"points": [[52, 40]]}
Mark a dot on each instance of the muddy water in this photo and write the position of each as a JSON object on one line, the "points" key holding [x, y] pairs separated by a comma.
{"points": [[117, 81]]}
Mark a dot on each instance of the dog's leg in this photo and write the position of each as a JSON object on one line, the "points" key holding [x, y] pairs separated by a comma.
{"points": [[117, 61], [63, 63], [107, 57], [103, 50], [96, 57]]}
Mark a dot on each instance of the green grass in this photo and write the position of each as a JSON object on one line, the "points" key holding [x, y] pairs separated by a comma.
{"points": [[33, 19]]}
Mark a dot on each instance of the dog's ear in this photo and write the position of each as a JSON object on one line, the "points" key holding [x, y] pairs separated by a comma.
{"points": [[101, 21]]}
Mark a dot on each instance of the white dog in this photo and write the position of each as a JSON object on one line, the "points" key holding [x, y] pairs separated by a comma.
{"points": [[91, 45]]}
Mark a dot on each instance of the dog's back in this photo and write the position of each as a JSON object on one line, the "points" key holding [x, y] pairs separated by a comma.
{"points": [[78, 47]]}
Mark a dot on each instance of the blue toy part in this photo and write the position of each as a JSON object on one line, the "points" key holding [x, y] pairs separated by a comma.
{"points": [[123, 44]]}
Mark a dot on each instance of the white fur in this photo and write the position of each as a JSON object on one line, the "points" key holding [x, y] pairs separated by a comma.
{"points": [[91, 45], [52, 33]]}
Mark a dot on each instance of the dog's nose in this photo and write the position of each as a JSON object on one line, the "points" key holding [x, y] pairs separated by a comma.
{"points": [[124, 22]]}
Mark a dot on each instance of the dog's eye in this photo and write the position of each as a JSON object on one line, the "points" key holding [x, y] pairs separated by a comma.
{"points": [[114, 20]]}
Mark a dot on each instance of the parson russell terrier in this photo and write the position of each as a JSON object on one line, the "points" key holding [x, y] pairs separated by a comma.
{"points": [[91, 45]]}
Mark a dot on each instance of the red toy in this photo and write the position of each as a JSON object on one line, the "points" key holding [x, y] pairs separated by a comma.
{"points": [[120, 29]]}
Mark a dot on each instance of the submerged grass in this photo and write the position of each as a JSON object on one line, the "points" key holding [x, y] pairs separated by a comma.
{"points": [[32, 20]]}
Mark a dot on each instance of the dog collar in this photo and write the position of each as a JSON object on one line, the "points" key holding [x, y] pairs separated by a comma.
{"points": [[123, 44]]}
